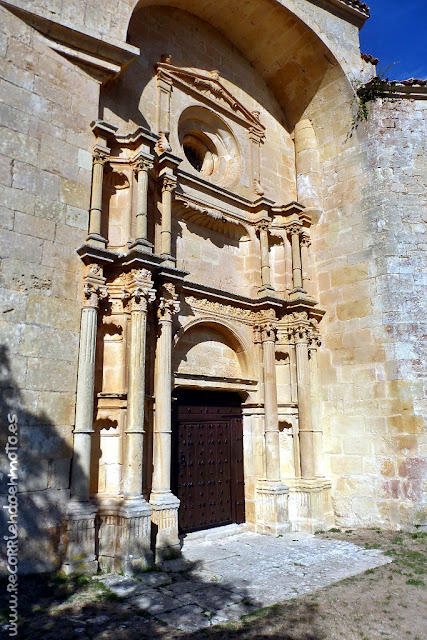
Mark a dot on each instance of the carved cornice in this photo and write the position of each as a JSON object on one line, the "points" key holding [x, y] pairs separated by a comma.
{"points": [[210, 217], [225, 310]]}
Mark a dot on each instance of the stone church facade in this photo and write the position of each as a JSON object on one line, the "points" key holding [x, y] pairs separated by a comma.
{"points": [[212, 275]]}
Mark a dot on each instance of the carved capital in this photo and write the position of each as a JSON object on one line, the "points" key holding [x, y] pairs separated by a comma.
{"points": [[269, 332], [263, 225], [305, 240], [140, 290], [257, 336], [94, 288], [294, 228], [99, 157], [93, 293], [169, 304], [142, 164], [169, 184]]}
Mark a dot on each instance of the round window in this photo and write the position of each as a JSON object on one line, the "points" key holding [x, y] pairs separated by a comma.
{"points": [[209, 145], [200, 152]]}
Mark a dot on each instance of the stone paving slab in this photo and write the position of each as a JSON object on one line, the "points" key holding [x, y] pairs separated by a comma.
{"points": [[223, 578]]}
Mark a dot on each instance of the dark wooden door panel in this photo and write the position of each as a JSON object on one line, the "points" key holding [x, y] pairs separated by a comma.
{"points": [[208, 466]]}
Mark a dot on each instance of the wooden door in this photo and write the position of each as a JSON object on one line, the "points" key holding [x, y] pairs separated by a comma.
{"points": [[208, 466]]}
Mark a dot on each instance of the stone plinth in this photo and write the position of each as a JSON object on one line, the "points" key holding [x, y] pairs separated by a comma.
{"points": [[125, 535], [310, 505], [271, 507], [80, 539], [165, 541]]}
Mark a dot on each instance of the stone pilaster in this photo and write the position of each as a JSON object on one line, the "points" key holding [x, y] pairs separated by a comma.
{"points": [[80, 554], [165, 504]]}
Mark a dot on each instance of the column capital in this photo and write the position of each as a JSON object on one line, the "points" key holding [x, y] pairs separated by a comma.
{"points": [[169, 183], [305, 240], [99, 156], [168, 304], [300, 327], [139, 289], [94, 288], [262, 225], [142, 164], [265, 332], [294, 228]]}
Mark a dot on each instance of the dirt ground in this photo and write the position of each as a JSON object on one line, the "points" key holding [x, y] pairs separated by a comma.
{"points": [[389, 602]]}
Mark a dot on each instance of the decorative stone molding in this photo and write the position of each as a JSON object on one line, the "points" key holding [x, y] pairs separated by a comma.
{"points": [[217, 308]]}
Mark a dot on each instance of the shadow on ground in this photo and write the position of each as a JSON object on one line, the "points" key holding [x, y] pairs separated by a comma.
{"points": [[182, 604]]}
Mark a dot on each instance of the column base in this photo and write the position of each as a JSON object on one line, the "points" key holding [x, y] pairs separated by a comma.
{"points": [[266, 290], [96, 240], [80, 539], [142, 244], [168, 260], [271, 507], [125, 535], [164, 530], [310, 505]]}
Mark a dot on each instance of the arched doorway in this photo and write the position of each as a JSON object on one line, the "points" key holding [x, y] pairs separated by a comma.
{"points": [[207, 459]]}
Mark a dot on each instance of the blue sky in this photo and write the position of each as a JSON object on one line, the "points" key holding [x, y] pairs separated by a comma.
{"points": [[396, 33]]}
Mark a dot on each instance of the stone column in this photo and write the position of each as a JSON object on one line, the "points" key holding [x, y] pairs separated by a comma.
{"points": [[314, 344], [304, 244], [262, 229], [270, 403], [135, 515], [95, 213], [165, 504], [80, 554], [168, 186], [294, 231], [142, 167], [272, 495], [304, 401]]}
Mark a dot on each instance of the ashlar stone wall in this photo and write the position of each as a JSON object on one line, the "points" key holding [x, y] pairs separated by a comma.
{"points": [[45, 176]]}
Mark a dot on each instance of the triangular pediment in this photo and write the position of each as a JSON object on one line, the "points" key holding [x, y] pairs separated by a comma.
{"points": [[208, 85]]}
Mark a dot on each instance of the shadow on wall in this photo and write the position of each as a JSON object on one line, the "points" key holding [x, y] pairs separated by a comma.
{"points": [[43, 478]]}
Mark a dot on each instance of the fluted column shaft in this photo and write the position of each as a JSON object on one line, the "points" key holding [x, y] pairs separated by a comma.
{"points": [[80, 472], [162, 446], [134, 440]]}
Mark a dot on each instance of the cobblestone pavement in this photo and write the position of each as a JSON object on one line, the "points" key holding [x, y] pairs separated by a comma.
{"points": [[221, 577]]}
